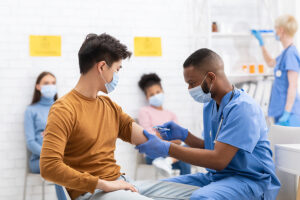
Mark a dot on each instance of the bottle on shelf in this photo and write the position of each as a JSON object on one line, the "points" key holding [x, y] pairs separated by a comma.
{"points": [[252, 69], [214, 27], [261, 69]]}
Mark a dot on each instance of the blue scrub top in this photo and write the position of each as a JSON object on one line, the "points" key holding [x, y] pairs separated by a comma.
{"points": [[244, 127], [286, 61]]}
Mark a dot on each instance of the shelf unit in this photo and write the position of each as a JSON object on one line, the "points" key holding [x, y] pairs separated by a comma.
{"points": [[209, 38], [222, 35]]}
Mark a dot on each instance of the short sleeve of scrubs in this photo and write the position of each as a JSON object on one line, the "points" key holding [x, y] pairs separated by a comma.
{"points": [[292, 60], [240, 127]]}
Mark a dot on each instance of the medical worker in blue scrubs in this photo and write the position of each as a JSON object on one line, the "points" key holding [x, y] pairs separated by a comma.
{"points": [[235, 149], [285, 101]]}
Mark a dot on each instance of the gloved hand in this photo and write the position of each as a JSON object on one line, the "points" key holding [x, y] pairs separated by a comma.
{"points": [[154, 147], [176, 132], [284, 120], [258, 37]]}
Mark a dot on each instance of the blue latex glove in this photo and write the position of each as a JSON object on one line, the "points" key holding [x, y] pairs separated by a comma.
{"points": [[154, 147], [176, 132], [258, 37], [284, 120]]}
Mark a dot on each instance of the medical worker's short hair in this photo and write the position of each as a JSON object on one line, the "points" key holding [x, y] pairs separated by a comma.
{"points": [[204, 58], [288, 23]]}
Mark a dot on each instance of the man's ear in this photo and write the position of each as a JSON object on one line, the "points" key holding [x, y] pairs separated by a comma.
{"points": [[100, 66], [211, 76]]}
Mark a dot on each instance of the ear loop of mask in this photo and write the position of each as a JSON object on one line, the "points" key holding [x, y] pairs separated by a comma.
{"points": [[103, 76], [203, 82]]}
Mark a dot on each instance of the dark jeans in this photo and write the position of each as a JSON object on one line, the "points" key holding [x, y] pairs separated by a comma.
{"points": [[184, 168]]}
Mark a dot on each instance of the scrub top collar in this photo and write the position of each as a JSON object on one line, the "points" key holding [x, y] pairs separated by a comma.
{"points": [[225, 100]]}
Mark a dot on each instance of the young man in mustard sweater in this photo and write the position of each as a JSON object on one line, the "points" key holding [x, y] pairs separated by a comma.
{"points": [[82, 129]]}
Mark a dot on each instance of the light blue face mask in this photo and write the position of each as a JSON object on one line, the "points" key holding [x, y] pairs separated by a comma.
{"points": [[277, 37], [48, 91], [198, 94], [113, 84], [156, 100]]}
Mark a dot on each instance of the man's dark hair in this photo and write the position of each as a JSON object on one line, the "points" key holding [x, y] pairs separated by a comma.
{"points": [[98, 48], [205, 58], [148, 80]]}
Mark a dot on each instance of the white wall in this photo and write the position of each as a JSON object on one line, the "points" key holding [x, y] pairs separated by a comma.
{"points": [[173, 20]]}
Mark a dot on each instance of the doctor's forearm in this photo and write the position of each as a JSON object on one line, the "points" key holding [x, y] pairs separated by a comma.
{"points": [[199, 157], [291, 95], [292, 90], [267, 57], [194, 141]]}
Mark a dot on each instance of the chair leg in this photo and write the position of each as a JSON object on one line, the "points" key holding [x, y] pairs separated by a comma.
{"points": [[298, 190], [25, 187], [43, 190]]}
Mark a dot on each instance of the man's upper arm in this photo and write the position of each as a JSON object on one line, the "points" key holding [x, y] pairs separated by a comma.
{"points": [[125, 124], [59, 127], [137, 136], [225, 153]]}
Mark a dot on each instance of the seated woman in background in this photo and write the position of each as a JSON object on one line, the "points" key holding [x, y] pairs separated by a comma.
{"points": [[155, 114], [35, 121]]}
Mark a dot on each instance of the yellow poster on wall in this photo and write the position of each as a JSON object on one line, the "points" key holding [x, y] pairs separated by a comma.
{"points": [[44, 45], [147, 46]]}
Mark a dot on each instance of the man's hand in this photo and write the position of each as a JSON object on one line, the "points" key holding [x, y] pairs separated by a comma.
{"points": [[110, 186], [154, 147], [176, 132]]}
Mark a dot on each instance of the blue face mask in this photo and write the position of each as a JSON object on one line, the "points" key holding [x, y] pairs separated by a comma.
{"points": [[156, 100], [277, 37], [198, 94], [113, 84], [48, 91]]}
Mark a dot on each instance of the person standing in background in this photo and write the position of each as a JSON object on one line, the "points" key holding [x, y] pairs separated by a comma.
{"points": [[36, 115], [285, 101], [155, 114]]}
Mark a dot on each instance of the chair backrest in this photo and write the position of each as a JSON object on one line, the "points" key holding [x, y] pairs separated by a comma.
{"points": [[28, 154], [283, 135]]}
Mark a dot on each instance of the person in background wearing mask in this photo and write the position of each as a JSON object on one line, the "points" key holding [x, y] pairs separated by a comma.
{"points": [[235, 149], [153, 115], [35, 121], [285, 101], [82, 129]]}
